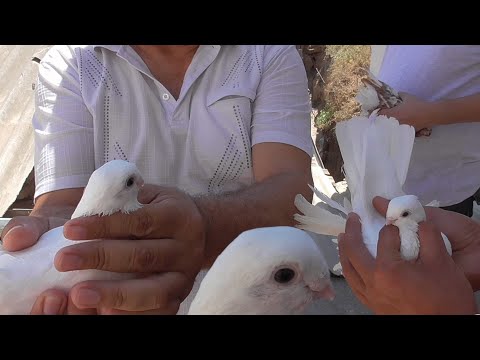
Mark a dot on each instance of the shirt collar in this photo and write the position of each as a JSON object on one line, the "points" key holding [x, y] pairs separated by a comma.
{"points": [[205, 55]]}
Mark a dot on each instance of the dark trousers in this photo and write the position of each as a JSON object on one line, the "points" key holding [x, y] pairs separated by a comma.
{"points": [[466, 206]]}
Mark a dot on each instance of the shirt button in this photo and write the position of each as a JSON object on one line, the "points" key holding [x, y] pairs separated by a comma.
{"points": [[165, 96]]}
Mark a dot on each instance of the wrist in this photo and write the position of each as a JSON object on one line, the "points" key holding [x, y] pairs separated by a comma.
{"points": [[55, 216], [53, 211]]}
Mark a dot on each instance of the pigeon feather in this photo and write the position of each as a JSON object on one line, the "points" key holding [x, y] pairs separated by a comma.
{"points": [[265, 271], [376, 151], [27, 273]]}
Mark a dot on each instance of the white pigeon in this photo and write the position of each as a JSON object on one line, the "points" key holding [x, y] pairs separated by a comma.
{"points": [[276, 270], [265, 271], [376, 151], [406, 212], [25, 274]]}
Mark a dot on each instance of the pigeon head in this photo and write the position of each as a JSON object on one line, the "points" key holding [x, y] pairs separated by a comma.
{"points": [[111, 188], [274, 270], [405, 209]]}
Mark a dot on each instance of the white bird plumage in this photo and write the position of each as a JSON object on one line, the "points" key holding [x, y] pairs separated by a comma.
{"points": [[274, 270], [239, 282], [376, 151], [25, 274], [406, 212]]}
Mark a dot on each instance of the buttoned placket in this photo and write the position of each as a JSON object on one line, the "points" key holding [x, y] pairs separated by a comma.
{"points": [[202, 59]]}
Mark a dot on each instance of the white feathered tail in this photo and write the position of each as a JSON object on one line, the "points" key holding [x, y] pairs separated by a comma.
{"points": [[317, 219], [376, 151]]}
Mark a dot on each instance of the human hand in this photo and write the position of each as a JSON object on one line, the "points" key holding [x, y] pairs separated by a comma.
{"points": [[22, 232], [431, 284], [462, 232], [164, 241], [413, 111], [51, 210]]}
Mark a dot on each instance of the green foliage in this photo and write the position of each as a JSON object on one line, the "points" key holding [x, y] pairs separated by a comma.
{"points": [[324, 117]]}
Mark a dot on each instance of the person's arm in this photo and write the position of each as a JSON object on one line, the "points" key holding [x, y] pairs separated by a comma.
{"points": [[63, 149], [452, 111], [176, 234], [424, 114], [281, 172], [281, 155]]}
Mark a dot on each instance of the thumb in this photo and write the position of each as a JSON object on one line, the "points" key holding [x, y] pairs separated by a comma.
{"points": [[461, 230], [23, 231], [431, 242], [148, 192], [381, 205], [388, 247]]}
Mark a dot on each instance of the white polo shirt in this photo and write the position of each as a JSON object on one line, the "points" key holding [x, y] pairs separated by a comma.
{"points": [[95, 103], [446, 165]]}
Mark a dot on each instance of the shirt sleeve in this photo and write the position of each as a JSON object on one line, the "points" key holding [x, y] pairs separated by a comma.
{"points": [[281, 110], [62, 124]]}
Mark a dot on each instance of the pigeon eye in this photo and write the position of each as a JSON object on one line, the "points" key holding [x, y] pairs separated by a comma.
{"points": [[284, 275], [405, 214], [130, 181]]}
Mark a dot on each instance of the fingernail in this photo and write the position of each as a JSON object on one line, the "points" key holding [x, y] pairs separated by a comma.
{"points": [[87, 297], [70, 262], [52, 305], [75, 232]]}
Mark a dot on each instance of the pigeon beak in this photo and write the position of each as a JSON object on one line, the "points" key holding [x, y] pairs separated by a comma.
{"points": [[140, 182], [389, 221]]}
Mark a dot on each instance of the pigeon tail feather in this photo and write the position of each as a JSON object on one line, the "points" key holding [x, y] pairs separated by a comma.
{"points": [[316, 219], [376, 151], [330, 202]]}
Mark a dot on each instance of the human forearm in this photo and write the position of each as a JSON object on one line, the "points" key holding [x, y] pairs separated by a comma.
{"points": [[453, 111], [268, 203]]}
